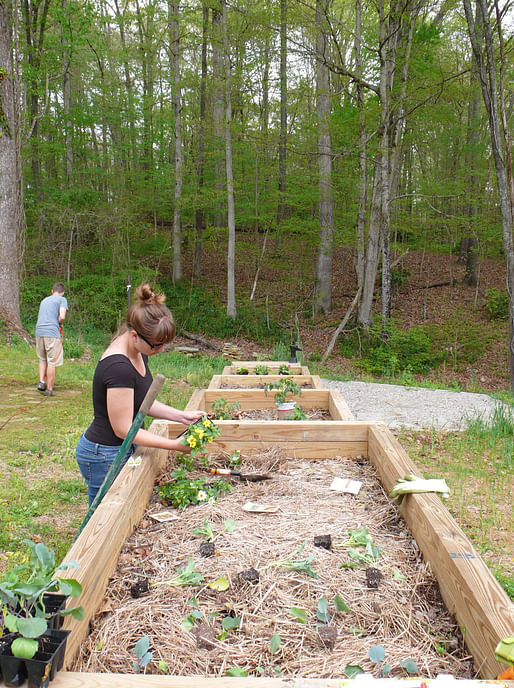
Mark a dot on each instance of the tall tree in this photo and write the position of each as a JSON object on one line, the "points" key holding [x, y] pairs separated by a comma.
{"points": [[323, 283], [11, 198], [173, 10], [481, 38], [282, 147]]}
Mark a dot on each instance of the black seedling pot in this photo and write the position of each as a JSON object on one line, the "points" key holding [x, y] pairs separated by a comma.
{"points": [[54, 603], [39, 670]]}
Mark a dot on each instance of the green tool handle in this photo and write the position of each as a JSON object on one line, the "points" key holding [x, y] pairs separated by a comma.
{"points": [[113, 471]]}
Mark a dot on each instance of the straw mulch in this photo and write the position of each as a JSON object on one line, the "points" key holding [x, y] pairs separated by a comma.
{"points": [[272, 414], [404, 614], [259, 385]]}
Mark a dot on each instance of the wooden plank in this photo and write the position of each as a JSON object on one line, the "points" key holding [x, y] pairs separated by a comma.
{"points": [[337, 406], [95, 680], [271, 431], [258, 399], [258, 381], [467, 586], [97, 548], [295, 368], [298, 449]]}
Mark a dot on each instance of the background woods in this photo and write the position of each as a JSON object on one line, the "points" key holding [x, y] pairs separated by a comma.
{"points": [[142, 136]]}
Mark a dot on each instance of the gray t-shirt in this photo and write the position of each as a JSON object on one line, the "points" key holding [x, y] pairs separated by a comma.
{"points": [[48, 318]]}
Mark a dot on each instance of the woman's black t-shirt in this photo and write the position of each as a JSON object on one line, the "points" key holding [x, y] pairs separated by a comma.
{"points": [[115, 371]]}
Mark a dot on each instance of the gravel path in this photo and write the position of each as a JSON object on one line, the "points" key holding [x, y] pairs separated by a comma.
{"points": [[414, 407]]}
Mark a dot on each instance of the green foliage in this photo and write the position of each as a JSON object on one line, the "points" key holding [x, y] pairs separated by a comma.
{"points": [[182, 490], [298, 414], [261, 370], [222, 410], [412, 351], [284, 386], [496, 303], [142, 653]]}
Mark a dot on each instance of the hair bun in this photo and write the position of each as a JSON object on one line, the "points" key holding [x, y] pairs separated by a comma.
{"points": [[145, 293]]}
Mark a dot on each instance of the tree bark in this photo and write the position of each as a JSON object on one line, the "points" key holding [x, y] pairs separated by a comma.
{"points": [[323, 283], [282, 146], [231, 255], [487, 73], [200, 212], [11, 198], [174, 10], [219, 219]]}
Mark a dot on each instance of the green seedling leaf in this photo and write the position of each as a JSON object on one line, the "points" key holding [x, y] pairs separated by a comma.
{"points": [[141, 647], [351, 670], [299, 614], [193, 602], [76, 613], [277, 669], [397, 575], [99, 645], [162, 666], [230, 525], [70, 587], [410, 666], [219, 584], [357, 631], [230, 622], [386, 669], [24, 647], [376, 654], [236, 671], [322, 612], [341, 605], [188, 623], [259, 670], [274, 643], [32, 628]]}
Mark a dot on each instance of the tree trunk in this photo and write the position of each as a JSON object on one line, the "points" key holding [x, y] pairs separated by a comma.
{"points": [[363, 176], [174, 10], [231, 255], [200, 212], [282, 146], [486, 70], [323, 284], [219, 219], [11, 199]]}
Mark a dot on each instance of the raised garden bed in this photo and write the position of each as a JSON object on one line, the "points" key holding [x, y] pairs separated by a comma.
{"points": [[327, 400], [258, 381], [273, 367], [388, 598], [469, 590]]}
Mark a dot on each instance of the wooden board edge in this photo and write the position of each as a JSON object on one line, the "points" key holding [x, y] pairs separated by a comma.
{"points": [[337, 406], [469, 589], [97, 548]]}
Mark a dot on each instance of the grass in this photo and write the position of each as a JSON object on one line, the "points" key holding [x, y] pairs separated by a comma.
{"points": [[43, 497]]}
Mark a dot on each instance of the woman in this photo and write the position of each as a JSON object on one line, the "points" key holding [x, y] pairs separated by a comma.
{"points": [[120, 383]]}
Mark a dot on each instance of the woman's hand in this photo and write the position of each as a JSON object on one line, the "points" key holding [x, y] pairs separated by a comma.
{"points": [[191, 416]]}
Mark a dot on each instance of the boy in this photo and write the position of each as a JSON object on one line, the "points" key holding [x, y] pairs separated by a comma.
{"points": [[52, 311]]}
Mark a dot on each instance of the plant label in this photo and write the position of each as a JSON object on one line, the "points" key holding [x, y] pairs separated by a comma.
{"points": [[346, 485]]}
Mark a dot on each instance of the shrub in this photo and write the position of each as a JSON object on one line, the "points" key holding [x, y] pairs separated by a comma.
{"points": [[496, 304]]}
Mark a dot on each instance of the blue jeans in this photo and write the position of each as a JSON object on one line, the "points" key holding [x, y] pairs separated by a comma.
{"points": [[94, 461]]}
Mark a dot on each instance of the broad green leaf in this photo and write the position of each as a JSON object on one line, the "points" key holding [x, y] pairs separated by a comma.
{"points": [[230, 622], [386, 669], [376, 654], [24, 647], [341, 605], [193, 602], [274, 643], [230, 525], [351, 670], [32, 628], [410, 666], [70, 587], [188, 623], [141, 647], [236, 671], [11, 622], [219, 584], [398, 575], [322, 612], [299, 614]]}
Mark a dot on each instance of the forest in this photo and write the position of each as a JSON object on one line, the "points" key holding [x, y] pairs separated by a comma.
{"points": [[174, 140]]}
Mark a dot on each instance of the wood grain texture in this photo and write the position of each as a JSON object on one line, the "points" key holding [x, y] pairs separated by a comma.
{"points": [[259, 399], [83, 680], [469, 589], [295, 368], [97, 548], [337, 406]]}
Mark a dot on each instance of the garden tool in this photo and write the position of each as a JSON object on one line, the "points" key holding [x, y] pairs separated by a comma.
{"points": [[505, 653], [251, 477], [412, 484]]}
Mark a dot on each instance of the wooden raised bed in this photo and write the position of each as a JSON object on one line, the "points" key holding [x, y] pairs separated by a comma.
{"points": [[295, 368], [330, 400], [258, 381], [468, 588]]}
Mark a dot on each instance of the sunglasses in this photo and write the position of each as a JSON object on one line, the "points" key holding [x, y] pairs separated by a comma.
{"points": [[152, 346]]}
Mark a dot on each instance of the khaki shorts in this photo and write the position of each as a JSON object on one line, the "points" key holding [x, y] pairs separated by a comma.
{"points": [[49, 349]]}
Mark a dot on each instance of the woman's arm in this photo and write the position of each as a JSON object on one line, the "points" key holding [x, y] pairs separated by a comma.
{"points": [[160, 410], [120, 408]]}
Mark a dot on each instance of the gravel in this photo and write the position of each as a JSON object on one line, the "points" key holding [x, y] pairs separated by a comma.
{"points": [[415, 407]]}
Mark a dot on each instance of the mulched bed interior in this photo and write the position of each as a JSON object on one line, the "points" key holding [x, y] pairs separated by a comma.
{"points": [[395, 604]]}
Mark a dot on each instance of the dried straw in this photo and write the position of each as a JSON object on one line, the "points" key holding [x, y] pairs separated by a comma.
{"points": [[404, 614]]}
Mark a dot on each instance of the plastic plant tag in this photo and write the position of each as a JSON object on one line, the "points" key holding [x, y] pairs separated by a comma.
{"points": [[260, 508], [346, 485], [164, 516]]}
